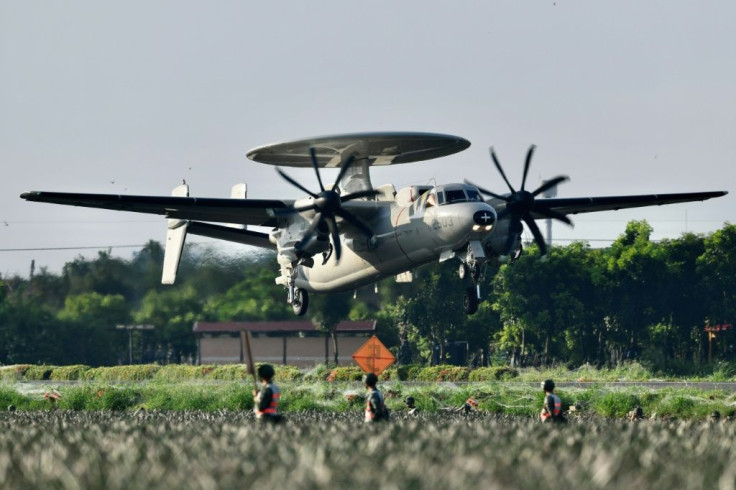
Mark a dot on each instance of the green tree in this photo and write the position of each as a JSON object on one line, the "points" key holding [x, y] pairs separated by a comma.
{"points": [[90, 320], [327, 313], [172, 312]]}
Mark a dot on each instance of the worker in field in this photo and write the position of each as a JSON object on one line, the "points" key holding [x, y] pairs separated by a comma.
{"points": [[636, 414], [552, 407], [268, 398], [375, 405], [410, 404]]}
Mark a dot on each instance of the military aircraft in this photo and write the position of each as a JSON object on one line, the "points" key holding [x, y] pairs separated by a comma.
{"points": [[350, 234]]}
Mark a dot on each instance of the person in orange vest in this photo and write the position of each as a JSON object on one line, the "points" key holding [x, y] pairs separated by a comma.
{"points": [[552, 408], [375, 405], [268, 398]]}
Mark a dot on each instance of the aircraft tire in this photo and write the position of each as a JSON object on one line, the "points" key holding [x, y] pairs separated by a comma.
{"points": [[470, 301], [300, 303]]}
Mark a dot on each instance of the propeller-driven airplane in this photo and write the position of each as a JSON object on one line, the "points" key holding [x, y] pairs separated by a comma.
{"points": [[350, 234]]}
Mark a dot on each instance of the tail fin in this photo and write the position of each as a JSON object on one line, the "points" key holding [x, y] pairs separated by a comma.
{"points": [[175, 236], [239, 191]]}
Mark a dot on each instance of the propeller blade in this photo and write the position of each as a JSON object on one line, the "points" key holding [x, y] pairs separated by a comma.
{"points": [[315, 164], [359, 194], [344, 168], [552, 214], [526, 165], [550, 183], [487, 192], [500, 169], [295, 183], [335, 234], [503, 213], [537, 234], [355, 221]]}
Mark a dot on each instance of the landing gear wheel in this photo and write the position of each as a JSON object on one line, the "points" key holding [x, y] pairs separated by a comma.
{"points": [[300, 303], [462, 271], [470, 301]]}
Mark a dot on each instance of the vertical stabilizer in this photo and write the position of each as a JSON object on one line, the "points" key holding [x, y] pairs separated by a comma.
{"points": [[175, 236], [239, 191]]}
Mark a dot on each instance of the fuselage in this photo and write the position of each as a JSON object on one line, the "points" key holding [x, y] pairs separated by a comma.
{"points": [[419, 226]]}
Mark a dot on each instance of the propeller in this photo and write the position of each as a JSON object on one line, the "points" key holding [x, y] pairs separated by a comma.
{"points": [[521, 204], [327, 205]]}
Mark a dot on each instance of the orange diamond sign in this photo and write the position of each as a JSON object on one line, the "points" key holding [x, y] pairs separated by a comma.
{"points": [[373, 356]]}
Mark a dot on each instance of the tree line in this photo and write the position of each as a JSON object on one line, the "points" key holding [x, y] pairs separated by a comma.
{"points": [[637, 299]]}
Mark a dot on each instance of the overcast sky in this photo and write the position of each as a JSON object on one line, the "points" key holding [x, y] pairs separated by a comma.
{"points": [[625, 97]]}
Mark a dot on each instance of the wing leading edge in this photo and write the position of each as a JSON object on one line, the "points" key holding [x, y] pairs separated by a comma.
{"points": [[259, 212], [577, 205]]}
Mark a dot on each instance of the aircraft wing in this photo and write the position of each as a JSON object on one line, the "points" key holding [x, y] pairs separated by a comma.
{"points": [[258, 212], [577, 205]]}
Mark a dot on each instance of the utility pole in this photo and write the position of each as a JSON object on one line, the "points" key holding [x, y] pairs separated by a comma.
{"points": [[130, 329]]}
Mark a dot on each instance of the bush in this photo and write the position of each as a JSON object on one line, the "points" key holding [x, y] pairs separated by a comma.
{"points": [[496, 373], [69, 373], [38, 373], [443, 373], [287, 373], [229, 372], [181, 372], [13, 373], [317, 373], [141, 372], [345, 374]]}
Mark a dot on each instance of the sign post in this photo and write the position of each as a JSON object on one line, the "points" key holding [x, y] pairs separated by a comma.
{"points": [[130, 329], [245, 341]]}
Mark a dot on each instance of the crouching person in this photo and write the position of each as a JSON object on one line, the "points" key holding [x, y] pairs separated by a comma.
{"points": [[268, 398], [375, 405], [552, 407]]}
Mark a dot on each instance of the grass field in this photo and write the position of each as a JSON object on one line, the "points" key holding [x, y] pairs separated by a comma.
{"points": [[501, 398], [318, 450]]}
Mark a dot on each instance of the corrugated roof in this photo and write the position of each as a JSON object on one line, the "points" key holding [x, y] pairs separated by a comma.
{"points": [[364, 326]]}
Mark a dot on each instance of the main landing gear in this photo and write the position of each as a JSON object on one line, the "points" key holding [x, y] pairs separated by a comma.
{"points": [[470, 301], [470, 272], [299, 302]]}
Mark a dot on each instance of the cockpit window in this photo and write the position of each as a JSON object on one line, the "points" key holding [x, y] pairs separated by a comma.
{"points": [[440, 198], [453, 196], [473, 195]]}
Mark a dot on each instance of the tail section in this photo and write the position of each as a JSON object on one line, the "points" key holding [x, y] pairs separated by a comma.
{"points": [[175, 236]]}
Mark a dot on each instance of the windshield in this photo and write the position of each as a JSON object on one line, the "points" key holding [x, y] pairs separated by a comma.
{"points": [[452, 196]]}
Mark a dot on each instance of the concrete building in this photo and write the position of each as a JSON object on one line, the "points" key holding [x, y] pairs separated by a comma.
{"points": [[297, 343]]}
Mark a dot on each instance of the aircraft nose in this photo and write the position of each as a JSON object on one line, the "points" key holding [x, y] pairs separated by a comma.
{"points": [[484, 217]]}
